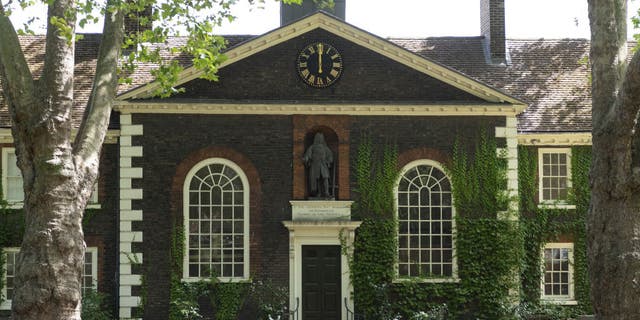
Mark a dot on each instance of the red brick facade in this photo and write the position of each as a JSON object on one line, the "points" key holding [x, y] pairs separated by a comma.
{"points": [[305, 125]]}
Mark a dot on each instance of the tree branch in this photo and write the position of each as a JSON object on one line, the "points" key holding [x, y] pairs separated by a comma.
{"points": [[58, 71], [96, 116], [17, 81], [19, 90]]}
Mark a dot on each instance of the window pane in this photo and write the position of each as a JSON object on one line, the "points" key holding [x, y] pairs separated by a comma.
{"points": [[216, 222], [554, 178], [425, 223], [557, 273]]}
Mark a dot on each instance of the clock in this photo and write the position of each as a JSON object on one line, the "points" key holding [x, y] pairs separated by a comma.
{"points": [[319, 64]]}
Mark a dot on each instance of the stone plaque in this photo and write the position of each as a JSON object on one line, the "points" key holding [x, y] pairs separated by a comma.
{"points": [[320, 210]]}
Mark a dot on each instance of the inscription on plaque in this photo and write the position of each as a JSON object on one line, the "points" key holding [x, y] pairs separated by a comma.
{"points": [[321, 210]]}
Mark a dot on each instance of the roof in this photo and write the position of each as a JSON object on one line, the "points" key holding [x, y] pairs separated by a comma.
{"points": [[551, 75]]}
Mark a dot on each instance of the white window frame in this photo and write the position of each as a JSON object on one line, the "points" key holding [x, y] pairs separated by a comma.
{"points": [[557, 204], [6, 304], [13, 203], [568, 299], [94, 267], [454, 261], [92, 203], [185, 201]]}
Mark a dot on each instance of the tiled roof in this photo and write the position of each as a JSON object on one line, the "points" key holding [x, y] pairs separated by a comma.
{"points": [[551, 75]]}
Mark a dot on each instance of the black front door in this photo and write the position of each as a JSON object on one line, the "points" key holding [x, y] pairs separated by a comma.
{"points": [[321, 283]]}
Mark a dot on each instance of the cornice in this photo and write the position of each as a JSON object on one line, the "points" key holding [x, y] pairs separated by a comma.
{"points": [[555, 139], [319, 109]]}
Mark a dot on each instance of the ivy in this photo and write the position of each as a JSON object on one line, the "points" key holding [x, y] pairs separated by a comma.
{"points": [[488, 249], [542, 225], [489, 253], [479, 184], [372, 265], [226, 298]]}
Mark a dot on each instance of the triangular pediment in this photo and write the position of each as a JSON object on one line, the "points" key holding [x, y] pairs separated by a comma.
{"points": [[375, 69]]}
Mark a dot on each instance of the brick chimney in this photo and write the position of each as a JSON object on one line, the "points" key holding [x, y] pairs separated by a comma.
{"points": [[492, 27], [132, 21], [293, 12]]}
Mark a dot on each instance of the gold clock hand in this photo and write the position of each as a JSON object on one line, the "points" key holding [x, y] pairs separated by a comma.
{"points": [[319, 57]]}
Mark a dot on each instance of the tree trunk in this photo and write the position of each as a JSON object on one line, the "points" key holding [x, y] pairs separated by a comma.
{"points": [[50, 263], [613, 225]]}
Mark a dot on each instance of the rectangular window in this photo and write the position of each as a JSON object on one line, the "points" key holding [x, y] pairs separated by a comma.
{"points": [[11, 177], [12, 181], [557, 280], [554, 172], [89, 275]]}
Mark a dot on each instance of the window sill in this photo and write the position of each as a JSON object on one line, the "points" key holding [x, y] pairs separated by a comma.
{"points": [[556, 205], [94, 206], [427, 280], [220, 280], [567, 302], [5, 305]]}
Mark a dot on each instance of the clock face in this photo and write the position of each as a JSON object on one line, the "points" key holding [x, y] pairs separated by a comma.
{"points": [[319, 64]]}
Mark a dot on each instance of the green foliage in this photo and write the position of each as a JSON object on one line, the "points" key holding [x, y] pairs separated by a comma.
{"points": [[581, 196], [226, 298], [412, 298], [196, 20], [94, 306], [376, 175], [479, 184], [542, 225], [489, 252], [272, 300], [372, 266], [183, 303]]}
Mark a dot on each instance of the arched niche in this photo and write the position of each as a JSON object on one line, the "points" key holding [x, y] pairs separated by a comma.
{"points": [[332, 141]]}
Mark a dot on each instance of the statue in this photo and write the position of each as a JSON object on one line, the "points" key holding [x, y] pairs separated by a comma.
{"points": [[319, 158]]}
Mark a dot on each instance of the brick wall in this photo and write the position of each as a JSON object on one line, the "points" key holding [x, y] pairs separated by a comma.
{"points": [[367, 76], [421, 137], [260, 145], [492, 27]]}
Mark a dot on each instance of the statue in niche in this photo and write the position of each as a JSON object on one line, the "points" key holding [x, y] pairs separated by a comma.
{"points": [[319, 159]]}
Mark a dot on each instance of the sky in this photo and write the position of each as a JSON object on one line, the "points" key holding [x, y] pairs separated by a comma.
{"points": [[529, 19]]}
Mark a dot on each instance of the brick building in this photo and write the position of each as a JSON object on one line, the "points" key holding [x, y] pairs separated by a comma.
{"points": [[222, 162]]}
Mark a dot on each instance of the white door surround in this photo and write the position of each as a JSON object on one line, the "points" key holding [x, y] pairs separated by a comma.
{"points": [[320, 232]]}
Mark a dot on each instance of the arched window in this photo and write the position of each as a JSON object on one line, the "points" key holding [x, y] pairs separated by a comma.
{"points": [[425, 222], [216, 220]]}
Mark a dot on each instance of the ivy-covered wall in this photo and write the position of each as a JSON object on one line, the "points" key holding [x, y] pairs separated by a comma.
{"points": [[499, 259], [542, 224]]}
